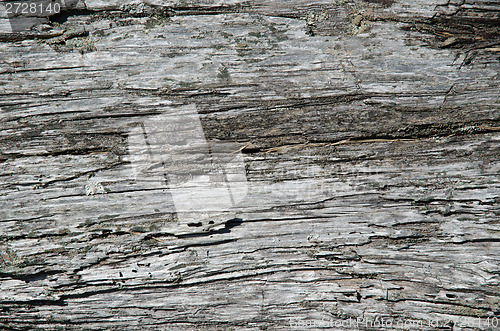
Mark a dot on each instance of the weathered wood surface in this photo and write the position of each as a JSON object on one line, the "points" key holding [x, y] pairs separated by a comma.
{"points": [[370, 135]]}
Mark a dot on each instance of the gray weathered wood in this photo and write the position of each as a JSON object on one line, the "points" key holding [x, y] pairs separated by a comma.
{"points": [[370, 137]]}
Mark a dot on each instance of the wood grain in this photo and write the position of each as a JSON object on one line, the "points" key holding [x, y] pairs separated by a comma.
{"points": [[369, 132]]}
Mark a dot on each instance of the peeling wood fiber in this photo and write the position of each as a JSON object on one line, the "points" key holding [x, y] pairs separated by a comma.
{"points": [[369, 134]]}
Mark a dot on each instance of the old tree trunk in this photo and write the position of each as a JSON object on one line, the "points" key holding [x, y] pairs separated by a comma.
{"points": [[368, 132]]}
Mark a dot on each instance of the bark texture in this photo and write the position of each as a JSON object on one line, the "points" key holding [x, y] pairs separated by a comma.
{"points": [[370, 135]]}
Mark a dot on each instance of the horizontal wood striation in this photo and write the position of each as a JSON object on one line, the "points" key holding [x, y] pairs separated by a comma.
{"points": [[370, 137]]}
